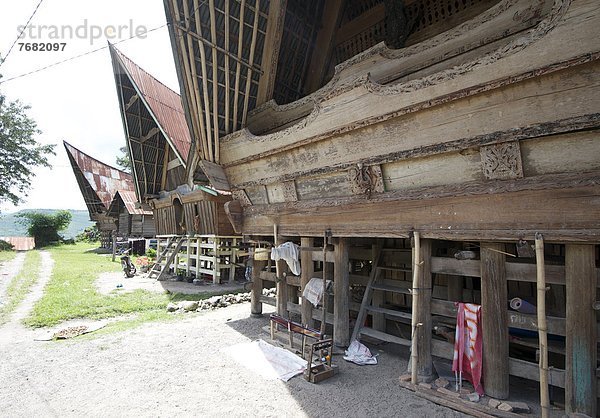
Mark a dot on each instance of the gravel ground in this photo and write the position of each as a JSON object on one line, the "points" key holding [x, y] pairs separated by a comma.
{"points": [[178, 368], [8, 270]]}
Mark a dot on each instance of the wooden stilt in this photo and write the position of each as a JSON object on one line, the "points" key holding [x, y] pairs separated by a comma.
{"points": [[580, 367], [341, 292], [542, 327], [424, 364], [326, 274], [494, 318], [257, 286], [379, 322], [306, 274], [282, 296], [417, 265]]}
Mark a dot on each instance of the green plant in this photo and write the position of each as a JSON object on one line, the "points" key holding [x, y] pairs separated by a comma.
{"points": [[45, 227], [21, 284], [151, 253], [89, 234], [5, 246]]}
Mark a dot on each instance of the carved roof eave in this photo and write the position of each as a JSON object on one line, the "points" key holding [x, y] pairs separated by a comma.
{"points": [[520, 58]]}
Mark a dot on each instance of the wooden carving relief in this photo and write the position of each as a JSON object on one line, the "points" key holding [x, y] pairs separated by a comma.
{"points": [[289, 191], [242, 197], [366, 180], [502, 161]]}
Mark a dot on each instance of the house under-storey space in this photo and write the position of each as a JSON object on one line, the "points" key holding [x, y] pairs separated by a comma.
{"points": [[470, 127]]}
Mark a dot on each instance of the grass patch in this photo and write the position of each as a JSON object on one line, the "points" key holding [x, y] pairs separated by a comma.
{"points": [[21, 284], [7, 256], [71, 293]]}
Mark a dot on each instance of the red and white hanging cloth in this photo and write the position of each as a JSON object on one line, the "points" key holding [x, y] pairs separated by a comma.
{"points": [[468, 345]]}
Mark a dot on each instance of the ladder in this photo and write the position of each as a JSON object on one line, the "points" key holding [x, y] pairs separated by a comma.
{"points": [[173, 246], [374, 283]]}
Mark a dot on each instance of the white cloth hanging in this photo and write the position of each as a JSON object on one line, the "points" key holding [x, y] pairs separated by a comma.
{"points": [[289, 252]]}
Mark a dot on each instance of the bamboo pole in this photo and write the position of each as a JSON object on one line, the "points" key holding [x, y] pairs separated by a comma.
{"points": [[542, 327], [238, 69], [192, 81], [415, 306], [251, 61], [227, 67], [324, 298], [204, 84], [215, 79]]}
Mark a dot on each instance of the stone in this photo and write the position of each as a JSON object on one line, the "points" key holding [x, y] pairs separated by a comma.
{"points": [[473, 397], [214, 300], [405, 378], [441, 383], [197, 282], [172, 307], [448, 392], [425, 385], [519, 407], [189, 305], [493, 403], [505, 407]]}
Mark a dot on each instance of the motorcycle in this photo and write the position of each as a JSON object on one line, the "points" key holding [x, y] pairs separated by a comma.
{"points": [[127, 266]]}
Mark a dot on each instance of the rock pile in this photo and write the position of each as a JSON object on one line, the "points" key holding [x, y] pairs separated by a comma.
{"points": [[213, 302]]}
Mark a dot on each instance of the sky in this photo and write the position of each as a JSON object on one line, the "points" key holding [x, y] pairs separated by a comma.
{"points": [[77, 101]]}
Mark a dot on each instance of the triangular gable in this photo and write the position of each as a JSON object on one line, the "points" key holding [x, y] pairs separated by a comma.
{"points": [[98, 182], [126, 198], [155, 127]]}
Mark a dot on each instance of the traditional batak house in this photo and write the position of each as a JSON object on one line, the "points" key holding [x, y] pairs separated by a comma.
{"points": [[158, 141], [428, 142], [99, 184]]}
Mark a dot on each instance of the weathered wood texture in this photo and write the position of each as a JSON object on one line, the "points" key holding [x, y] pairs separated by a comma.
{"points": [[581, 356], [424, 365], [306, 274], [281, 285], [560, 214], [257, 286], [341, 292], [494, 321]]}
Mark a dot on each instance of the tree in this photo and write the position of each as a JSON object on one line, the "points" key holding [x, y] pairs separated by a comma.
{"points": [[123, 161], [45, 227], [20, 153]]}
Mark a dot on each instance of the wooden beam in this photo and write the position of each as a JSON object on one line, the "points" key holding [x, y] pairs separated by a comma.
{"points": [[341, 294], [270, 57], [332, 12], [494, 320], [251, 61], [306, 274], [280, 284], [257, 286], [238, 67], [580, 360], [542, 326], [424, 365]]}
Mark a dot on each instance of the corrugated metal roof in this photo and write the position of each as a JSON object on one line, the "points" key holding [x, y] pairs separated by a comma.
{"points": [[164, 103], [103, 179], [20, 243], [130, 200]]}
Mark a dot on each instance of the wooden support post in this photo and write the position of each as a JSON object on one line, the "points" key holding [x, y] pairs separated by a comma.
{"points": [[306, 274], [542, 327], [378, 299], [425, 285], [341, 294], [494, 320], [114, 245], [257, 286], [580, 367], [416, 268], [282, 294]]}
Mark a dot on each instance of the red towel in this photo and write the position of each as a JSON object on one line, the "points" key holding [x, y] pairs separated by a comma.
{"points": [[468, 344]]}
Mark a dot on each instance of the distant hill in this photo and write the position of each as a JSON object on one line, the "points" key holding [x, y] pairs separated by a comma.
{"points": [[10, 226]]}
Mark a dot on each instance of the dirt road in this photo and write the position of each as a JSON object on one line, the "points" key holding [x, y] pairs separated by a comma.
{"points": [[179, 369]]}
